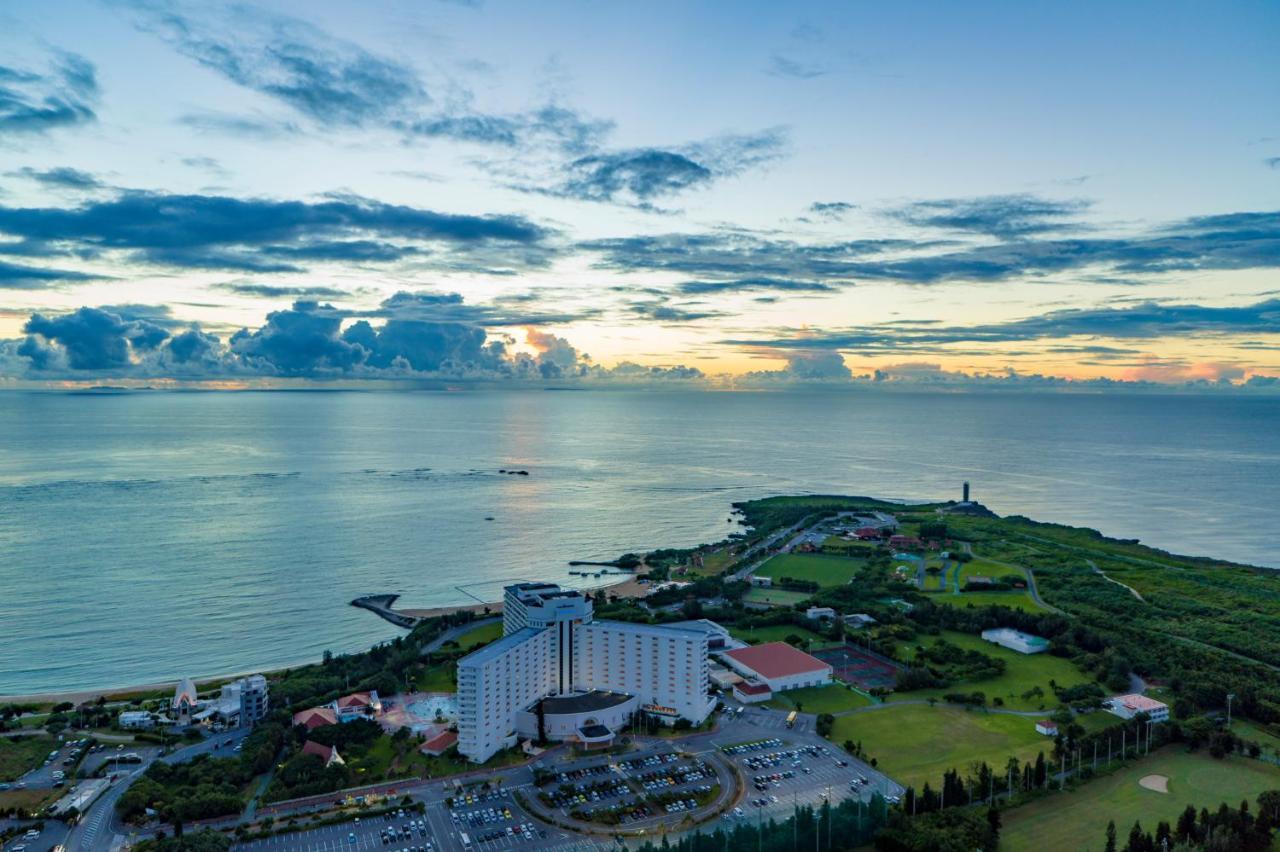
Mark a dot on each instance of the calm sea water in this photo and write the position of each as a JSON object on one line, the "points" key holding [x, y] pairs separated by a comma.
{"points": [[149, 536]]}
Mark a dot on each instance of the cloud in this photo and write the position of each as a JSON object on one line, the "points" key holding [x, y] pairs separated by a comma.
{"points": [[34, 103], [639, 176], [1246, 240], [61, 177], [421, 335], [331, 81], [563, 128], [1146, 321], [246, 126], [18, 277], [92, 339], [665, 312], [831, 211], [803, 367], [1272, 162], [1002, 216], [744, 285], [265, 235], [783, 66], [268, 291]]}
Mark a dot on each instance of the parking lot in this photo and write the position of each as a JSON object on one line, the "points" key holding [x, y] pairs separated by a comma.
{"points": [[794, 768]]}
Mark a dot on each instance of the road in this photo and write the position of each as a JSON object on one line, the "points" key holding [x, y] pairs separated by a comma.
{"points": [[454, 632], [99, 824]]}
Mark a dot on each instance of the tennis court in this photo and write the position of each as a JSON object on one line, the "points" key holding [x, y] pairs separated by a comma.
{"points": [[860, 667]]}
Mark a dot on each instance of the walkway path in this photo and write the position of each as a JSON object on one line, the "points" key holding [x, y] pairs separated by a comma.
{"points": [[1104, 576]]}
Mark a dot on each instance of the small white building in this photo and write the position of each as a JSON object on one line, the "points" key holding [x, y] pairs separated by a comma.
{"points": [[819, 613], [1016, 640], [762, 582], [137, 720], [858, 620], [1047, 727], [1128, 706]]}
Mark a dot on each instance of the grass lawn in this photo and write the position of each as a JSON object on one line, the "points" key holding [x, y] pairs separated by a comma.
{"points": [[826, 571], [1013, 600], [773, 633], [986, 568], [1022, 673], [18, 755], [834, 543], [32, 801], [1256, 733], [819, 699], [1078, 819], [437, 678], [775, 597], [1098, 720], [917, 743], [478, 636]]}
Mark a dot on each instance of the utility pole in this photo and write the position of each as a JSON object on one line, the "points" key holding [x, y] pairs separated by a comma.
{"points": [[1231, 696]]}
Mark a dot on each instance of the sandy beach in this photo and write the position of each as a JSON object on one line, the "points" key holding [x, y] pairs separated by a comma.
{"points": [[626, 588]]}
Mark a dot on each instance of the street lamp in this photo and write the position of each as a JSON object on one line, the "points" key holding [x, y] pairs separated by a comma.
{"points": [[1231, 696]]}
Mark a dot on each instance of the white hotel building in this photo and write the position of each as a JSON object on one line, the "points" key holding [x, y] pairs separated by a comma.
{"points": [[589, 677]]}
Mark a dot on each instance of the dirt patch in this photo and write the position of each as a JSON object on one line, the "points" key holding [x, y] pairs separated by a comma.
{"points": [[1159, 783]]}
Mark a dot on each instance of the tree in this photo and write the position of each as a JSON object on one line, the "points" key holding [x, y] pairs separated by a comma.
{"points": [[1111, 836]]}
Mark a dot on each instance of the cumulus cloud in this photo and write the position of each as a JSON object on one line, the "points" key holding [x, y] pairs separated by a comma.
{"points": [[409, 336], [35, 102], [802, 367]]}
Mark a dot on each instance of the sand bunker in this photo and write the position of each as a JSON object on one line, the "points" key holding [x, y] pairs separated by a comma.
{"points": [[1159, 783]]}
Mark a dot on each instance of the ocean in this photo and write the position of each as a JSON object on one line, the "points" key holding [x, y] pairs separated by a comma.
{"points": [[147, 536]]}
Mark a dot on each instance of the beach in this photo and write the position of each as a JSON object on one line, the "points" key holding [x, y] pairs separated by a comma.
{"points": [[629, 587]]}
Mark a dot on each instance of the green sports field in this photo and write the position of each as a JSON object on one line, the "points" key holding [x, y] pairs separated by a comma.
{"points": [[917, 743], [773, 633], [826, 571], [987, 568], [1077, 820], [1022, 673], [478, 636], [775, 597], [819, 699]]}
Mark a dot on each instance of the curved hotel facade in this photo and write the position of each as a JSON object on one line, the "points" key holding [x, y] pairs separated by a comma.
{"points": [[557, 669]]}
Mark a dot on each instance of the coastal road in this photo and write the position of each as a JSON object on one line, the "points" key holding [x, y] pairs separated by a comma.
{"points": [[796, 531]]}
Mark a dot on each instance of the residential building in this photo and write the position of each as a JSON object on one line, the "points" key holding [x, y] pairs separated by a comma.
{"points": [[1128, 706], [1016, 640], [136, 720], [762, 582], [858, 620], [1047, 727], [904, 542], [327, 753], [818, 613], [779, 666], [316, 717], [358, 705]]}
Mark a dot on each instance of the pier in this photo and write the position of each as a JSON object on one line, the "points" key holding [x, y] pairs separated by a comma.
{"points": [[381, 605]]}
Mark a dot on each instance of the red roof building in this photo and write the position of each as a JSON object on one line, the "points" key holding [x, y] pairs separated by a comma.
{"points": [[316, 717], [779, 665], [751, 692], [439, 744], [867, 533], [329, 754], [903, 541]]}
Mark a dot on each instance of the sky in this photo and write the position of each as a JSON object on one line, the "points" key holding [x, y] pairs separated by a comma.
{"points": [[702, 195]]}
